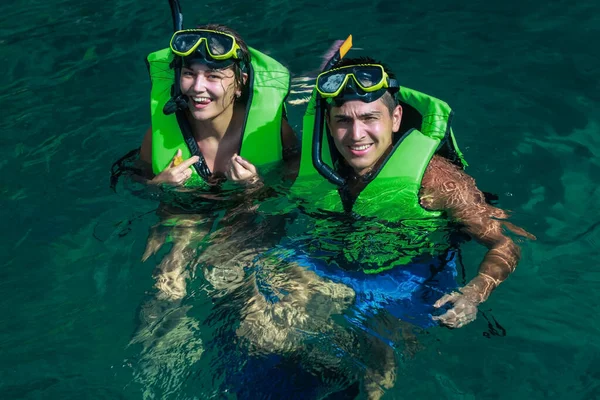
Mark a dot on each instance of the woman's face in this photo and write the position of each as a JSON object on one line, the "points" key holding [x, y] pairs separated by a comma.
{"points": [[210, 91]]}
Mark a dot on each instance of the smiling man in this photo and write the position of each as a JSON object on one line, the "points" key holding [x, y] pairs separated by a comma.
{"points": [[362, 131], [382, 197], [386, 164]]}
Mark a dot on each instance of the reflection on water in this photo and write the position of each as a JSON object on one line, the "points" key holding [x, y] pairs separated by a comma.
{"points": [[523, 80]]}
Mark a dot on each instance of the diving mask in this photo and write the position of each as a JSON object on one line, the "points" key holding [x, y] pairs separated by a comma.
{"points": [[217, 45], [369, 82]]}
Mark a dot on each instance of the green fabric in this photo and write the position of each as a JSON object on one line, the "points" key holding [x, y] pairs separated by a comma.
{"points": [[261, 141], [435, 113], [371, 245], [394, 193]]}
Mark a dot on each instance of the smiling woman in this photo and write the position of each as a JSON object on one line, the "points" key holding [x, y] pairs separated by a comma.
{"points": [[218, 114], [212, 111]]}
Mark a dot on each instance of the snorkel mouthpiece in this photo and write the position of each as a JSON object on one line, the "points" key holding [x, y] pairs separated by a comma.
{"points": [[175, 103]]}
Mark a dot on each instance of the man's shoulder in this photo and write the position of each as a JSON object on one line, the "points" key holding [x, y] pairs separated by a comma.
{"points": [[442, 169], [443, 182]]}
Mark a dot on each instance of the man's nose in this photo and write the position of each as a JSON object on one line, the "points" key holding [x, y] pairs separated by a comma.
{"points": [[358, 131]]}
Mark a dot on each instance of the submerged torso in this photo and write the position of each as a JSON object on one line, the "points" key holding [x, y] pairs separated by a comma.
{"points": [[369, 245], [374, 243]]}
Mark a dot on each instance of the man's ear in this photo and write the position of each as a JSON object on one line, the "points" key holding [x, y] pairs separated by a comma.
{"points": [[396, 118]]}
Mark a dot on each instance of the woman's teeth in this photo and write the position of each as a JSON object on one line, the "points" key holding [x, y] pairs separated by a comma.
{"points": [[360, 148], [201, 100]]}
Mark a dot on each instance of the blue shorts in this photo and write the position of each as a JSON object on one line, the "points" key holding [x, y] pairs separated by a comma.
{"points": [[406, 292]]}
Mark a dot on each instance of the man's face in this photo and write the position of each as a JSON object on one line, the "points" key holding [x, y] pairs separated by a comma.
{"points": [[362, 132]]}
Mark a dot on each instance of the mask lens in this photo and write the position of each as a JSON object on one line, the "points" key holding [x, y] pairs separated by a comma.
{"points": [[332, 82], [219, 45], [368, 76], [185, 41]]}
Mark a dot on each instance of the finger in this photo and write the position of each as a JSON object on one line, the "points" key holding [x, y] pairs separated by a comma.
{"points": [[230, 172], [245, 163], [451, 297], [454, 323], [236, 170], [444, 320], [448, 319], [184, 176], [177, 159], [457, 317], [188, 163], [187, 174], [460, 322], [518, 230]]}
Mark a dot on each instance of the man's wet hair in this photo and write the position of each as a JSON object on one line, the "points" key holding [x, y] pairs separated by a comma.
{"points": [[388, 99], [344, 62]]}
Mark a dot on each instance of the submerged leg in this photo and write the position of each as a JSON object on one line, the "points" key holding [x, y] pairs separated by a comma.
{"points": [[303, 303], [380, 374]]}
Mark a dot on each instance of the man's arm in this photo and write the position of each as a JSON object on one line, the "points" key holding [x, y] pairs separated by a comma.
{"points": [[447, 188]]}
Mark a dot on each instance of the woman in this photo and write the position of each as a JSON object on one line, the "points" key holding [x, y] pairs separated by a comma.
{"points": [[217, 111], [218, 114]]}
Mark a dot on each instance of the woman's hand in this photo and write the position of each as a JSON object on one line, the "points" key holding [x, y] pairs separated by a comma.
{"points": [[178, 171], [241, 171]]}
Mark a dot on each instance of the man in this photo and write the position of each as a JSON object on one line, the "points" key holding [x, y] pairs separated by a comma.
{"points": [[388, 154], [382, 194]]}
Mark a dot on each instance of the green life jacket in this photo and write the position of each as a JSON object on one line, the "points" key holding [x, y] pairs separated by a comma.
{"points": [[397, 229], [261, 139]]}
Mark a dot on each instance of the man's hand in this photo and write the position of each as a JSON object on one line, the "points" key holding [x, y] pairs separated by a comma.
{"points": [[241, 171], [178, 171], [464, 308]]}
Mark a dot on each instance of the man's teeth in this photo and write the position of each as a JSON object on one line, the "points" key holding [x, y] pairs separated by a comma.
{"points": [[201, 99], [360, 148]]}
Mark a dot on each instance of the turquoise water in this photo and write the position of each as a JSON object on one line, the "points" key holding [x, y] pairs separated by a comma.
{"points": [[523, 79]]}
